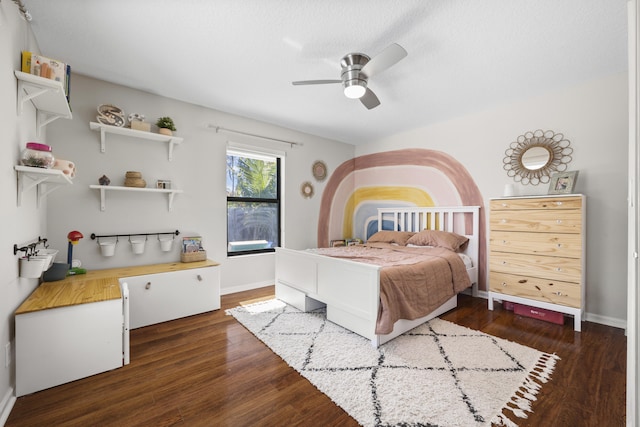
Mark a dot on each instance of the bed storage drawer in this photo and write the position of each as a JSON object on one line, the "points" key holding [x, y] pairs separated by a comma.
{"points": [[556, 292]]}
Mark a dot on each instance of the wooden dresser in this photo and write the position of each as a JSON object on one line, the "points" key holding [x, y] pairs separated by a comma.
{"points": [[537, 252]]}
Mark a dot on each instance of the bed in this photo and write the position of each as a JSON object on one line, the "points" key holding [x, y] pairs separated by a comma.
{"points": [[351, 290]]}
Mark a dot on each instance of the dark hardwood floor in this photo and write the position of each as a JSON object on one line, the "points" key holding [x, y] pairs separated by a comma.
{"points": [[207, 370]]}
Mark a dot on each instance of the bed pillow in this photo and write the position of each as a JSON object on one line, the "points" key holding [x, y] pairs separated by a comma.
{"points": [[389, 236], [441, 239]]}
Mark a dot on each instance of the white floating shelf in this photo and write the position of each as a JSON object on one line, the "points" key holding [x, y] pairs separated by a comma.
{"points": [[45, 181], [46, 95], [104, 188], [151, 136]]}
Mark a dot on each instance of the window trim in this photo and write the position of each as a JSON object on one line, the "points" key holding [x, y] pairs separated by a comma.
{"points": [[233, 149]]}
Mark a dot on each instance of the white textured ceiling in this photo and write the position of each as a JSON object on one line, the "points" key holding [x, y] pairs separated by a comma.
{"points": [[240, 56]]}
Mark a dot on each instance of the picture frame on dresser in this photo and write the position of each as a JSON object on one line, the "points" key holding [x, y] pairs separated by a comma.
{"points": [[563, 182]]}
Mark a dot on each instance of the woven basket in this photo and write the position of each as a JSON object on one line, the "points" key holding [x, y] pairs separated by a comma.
{"points": [[193, 256]]}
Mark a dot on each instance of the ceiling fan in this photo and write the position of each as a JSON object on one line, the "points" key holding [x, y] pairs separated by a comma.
{"points": [[357, 68]]}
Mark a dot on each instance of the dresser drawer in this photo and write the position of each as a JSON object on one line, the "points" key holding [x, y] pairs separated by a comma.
{"points": [[545, 203], [551, 268], [538, 221], [551, 291], [562, 245]]}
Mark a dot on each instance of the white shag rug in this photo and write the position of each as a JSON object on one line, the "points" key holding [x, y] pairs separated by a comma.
{"points": [[438, 374]]}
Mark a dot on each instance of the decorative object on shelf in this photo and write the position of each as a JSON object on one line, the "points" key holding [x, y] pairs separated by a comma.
{"points": [[166, 126], [509, 190], [37, 155], [110, 115], [319, 170], [306, 189], [164, 184], [134, 179], [104, 180], [192, 249], [67, 167], [534, 156], [136, 122], [563, 182]]}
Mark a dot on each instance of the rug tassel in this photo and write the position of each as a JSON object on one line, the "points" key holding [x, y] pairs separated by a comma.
{"points": [[501, 420], [520, 402]]}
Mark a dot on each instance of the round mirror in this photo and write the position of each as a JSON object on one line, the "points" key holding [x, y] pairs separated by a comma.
{"points": [[535, 156]]}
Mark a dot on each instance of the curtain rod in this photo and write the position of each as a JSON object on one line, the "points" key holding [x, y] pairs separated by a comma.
{"points": [[221, 129]]}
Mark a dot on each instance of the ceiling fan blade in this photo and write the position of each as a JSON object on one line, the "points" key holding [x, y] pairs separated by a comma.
{"points": [[315, 82], [369, 99], [385, 59]]}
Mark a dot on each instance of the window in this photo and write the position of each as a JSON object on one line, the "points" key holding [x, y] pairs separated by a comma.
{"points": [[253, 202]]}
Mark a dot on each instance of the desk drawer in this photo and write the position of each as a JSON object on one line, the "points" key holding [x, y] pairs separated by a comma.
{"points": [[551, 291]]}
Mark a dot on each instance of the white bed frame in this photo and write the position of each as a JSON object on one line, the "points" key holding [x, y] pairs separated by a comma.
{"points": [[351, 290]]}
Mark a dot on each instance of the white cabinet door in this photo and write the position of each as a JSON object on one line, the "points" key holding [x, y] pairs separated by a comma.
{"points": [[156, 298], [60, 345]]}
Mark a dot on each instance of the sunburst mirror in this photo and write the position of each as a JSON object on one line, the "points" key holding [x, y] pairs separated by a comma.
{"points": [[535, 156]]}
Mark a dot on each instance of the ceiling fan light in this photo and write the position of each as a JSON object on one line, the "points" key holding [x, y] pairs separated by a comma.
{"points": [[355, 89]]}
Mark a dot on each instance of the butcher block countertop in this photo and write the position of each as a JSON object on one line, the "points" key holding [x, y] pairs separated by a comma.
{"points": [[95, 286]]}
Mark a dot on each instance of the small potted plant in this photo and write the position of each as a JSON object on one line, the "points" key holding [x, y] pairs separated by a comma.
{"points": [[166, 126]]}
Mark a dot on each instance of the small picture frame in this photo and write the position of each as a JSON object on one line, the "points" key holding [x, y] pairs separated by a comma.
{"points": [[163, 184], [563, 182]]}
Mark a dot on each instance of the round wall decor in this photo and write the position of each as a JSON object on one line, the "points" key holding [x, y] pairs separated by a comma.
{"points": [[319, 170], [306, 190]]}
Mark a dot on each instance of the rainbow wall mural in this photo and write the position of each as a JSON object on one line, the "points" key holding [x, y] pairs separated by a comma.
{"points": [[410, 177]]}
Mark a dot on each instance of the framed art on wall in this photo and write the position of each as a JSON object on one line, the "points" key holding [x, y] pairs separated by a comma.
{"points": [[563, 182]]}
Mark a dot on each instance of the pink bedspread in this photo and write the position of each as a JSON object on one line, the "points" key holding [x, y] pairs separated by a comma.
{"points": [[413, 281]]}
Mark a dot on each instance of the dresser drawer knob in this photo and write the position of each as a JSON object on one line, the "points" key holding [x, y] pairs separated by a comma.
{"points": [[504, 205], [199, 278], [504, 262], [503, 220], [148, 285], [558, 203], [559, 221], [504, 284], [558, 269], [559, 245], [558, 293]]}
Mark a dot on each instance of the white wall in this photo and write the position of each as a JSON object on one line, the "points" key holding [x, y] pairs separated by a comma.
{"points": [[20, 225], [197, 168], [594, 117]]}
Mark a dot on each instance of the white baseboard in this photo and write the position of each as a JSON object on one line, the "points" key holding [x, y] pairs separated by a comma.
{"points": [[6, 406], [245, 287], [606, 320]]}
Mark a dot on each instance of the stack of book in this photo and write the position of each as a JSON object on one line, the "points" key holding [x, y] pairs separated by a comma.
{"points": [[48, 68]]}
